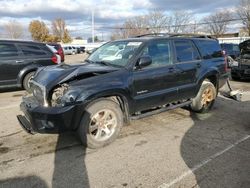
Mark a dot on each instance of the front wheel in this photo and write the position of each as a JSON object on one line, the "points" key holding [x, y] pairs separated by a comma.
{"points": [[205, 98], [26, 81], [101, 123]]}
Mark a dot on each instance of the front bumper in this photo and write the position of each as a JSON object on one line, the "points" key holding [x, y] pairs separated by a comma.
{"points": [[41, 119]]}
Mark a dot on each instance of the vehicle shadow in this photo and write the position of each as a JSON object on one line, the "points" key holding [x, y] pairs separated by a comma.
{"points": [[216, 150], [23, 182], [11, 89], [69, 163]]}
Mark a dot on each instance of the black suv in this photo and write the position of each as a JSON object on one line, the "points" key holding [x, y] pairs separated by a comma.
{"points": [[124, 80], [232, 50], [242, 69], [20, 59]]}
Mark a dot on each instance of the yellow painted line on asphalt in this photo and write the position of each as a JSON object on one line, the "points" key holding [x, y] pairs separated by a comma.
{"points": [[203, 163]]}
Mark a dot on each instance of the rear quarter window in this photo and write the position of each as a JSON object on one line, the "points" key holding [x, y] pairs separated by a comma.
{"points": [[32, 50], [209, 49]]}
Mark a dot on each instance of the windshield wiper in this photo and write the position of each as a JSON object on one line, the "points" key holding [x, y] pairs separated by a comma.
{"points": [[104, 63], [89, 61]]}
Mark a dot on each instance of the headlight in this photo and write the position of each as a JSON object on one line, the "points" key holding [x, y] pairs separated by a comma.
{"points": [[58, 93]]}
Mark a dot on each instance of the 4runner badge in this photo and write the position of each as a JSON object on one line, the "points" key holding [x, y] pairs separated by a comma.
{"points": [[141, 92]]}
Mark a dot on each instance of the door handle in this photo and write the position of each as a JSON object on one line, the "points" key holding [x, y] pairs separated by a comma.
{"points": [[21, 61], [198, 65], [171, 69]]}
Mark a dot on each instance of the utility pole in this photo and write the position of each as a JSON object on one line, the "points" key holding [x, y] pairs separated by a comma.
{"points": [[93, 26]]}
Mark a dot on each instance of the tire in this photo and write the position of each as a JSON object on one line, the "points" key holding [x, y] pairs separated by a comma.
{"points": [[92, 131], [205, 98], [26, 81]]}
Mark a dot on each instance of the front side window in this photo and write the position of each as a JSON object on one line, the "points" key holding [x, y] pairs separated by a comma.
{"points": [[160, 53], [185, 51], [116, 53], [8, 50]]}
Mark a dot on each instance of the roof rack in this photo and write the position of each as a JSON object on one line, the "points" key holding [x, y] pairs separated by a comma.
{"points": [[151, 35], [191, 35], [174, 35]]}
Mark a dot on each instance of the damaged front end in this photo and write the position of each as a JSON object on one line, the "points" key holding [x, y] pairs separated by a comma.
{"points": [[54, 108]]}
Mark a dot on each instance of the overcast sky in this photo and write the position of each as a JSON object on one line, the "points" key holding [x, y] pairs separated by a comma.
{"points": [[77, 13]]}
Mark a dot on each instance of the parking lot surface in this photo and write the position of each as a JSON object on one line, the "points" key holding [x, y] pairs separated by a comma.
{"points": [[177, 148]]}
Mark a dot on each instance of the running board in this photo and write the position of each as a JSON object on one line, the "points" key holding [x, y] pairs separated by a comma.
{"points": [[163, 109]]}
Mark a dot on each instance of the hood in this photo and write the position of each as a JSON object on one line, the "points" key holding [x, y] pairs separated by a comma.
{"points": [[54, 75]]}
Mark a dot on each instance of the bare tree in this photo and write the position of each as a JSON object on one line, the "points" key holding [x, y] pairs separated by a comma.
{"points": [[243, 11], [13, 29], [180, 21], [60, 31], [157, 21], [216, 23], [132, 27], [154, 22]]}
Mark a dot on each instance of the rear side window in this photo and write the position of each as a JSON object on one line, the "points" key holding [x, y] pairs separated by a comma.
{"points": [[186, 51], [31, 50], [8, 50], [209, 49]]}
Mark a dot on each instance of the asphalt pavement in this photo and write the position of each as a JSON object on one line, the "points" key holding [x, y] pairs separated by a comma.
{"points": [[177, 148]]}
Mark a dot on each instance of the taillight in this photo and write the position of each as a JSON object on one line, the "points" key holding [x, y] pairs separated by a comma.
{"points": [[54, 59], [60, 51], [225, 61]]}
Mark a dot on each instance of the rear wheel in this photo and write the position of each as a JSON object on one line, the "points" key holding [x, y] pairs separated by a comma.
{"points": [[205, 98], [26, 81], [101, 123]]}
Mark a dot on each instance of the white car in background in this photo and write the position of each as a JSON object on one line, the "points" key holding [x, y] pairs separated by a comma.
{"points": [[69, 50]]}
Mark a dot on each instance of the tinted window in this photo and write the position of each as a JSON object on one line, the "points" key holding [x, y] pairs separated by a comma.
{"points": [[185, 51], [160, 53], [209, 49], [31, 50], [8, 50], [56, 46]]}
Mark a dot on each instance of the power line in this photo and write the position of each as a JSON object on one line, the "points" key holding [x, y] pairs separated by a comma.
{"points": [[159, 27]]}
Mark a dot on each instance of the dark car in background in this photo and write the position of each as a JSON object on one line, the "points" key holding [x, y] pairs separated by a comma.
{"points": [[231, 49], [59, 49], [19, 61], [141, 77], [242, 70]]}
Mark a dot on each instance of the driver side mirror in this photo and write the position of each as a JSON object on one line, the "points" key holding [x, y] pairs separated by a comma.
{"points": [[143, 61]]}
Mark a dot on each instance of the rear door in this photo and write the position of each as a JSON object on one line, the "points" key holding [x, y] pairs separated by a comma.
{"points": [[154, 85], [34, 54], [188, 65], [9, 61]]}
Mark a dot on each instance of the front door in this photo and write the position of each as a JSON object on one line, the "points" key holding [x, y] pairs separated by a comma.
{"points": [[154, 85], [9, 60]]}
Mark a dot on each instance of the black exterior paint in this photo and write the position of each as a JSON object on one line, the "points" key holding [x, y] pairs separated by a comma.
{"points": [[140, 89], [13, 69]]}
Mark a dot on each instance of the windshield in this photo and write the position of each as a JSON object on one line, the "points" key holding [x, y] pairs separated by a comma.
{"points": [[115, 53]]}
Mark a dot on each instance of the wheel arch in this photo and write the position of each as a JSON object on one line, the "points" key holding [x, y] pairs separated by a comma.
{"points": [[24, 72], [211, 76], [120, 98]]}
